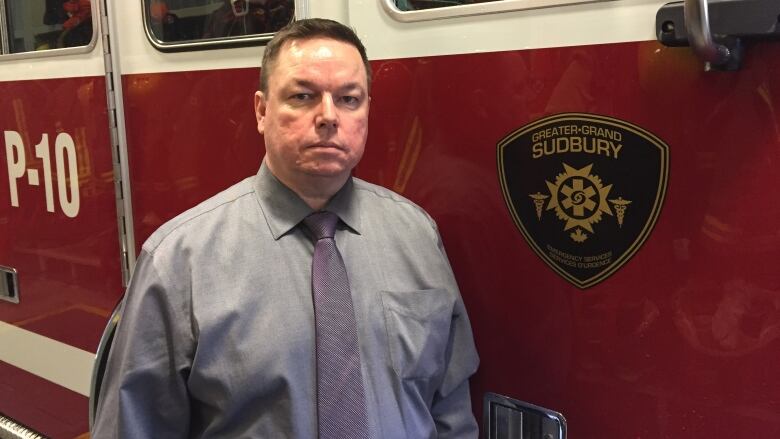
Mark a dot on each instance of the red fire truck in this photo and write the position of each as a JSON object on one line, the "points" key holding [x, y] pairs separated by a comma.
{"points": [[603, 175]]}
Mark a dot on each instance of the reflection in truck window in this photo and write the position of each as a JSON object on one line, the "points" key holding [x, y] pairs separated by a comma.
{"points": [[193, 20], [48, 24], [414, 5]]}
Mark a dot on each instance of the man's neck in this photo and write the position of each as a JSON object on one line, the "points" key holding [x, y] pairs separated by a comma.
{"points": [[315, 191], [319, 191], [315, 202]]}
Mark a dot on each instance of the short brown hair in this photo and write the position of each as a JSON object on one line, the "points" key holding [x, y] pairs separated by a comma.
{"points": [[304, 30]]}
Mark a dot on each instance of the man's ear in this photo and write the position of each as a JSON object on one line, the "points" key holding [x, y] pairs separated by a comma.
{"points": [[260, 106]]}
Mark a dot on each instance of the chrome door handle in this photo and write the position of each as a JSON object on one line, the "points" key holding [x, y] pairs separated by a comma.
{"points": [[9, 284], [697, 21]]}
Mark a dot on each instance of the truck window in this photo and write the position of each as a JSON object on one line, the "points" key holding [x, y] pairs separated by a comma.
{"points": [[416, 5], [421, 10], [37, 25], [177, 22]]}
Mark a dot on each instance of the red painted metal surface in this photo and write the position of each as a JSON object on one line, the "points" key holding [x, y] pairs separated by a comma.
{"points": [[63, 263], [68, 268], [50, 409], [683, 340], [190, 135]]}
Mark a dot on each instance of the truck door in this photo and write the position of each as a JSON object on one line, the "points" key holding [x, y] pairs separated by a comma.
{"points": [[607, 202], [60, 255]]}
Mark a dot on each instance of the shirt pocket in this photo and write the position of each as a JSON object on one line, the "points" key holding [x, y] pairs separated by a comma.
{"points": [[418, 327]]}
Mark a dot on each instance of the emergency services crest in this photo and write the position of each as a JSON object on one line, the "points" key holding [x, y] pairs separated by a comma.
{"points": [[584, 190]]}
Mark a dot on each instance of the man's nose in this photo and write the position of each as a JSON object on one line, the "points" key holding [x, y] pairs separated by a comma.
{"points": [[327, 117]]}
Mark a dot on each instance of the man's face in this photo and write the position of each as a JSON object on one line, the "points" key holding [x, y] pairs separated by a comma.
{"points": [[314, 116]]}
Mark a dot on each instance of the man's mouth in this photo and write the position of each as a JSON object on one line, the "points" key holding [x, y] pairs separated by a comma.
{"points": [[326, 145]]}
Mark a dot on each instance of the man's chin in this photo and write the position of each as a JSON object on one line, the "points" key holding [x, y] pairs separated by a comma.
{"points": [[334, 171]]}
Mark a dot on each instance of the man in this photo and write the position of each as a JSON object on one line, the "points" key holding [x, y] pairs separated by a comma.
{"points": [[227, 329]]}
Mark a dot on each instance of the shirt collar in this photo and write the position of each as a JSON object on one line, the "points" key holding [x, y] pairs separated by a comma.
{"points": [[284, 209]]}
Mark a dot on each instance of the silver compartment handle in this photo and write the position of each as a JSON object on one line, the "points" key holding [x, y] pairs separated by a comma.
{"points": [[697, 21], [9, 285]]}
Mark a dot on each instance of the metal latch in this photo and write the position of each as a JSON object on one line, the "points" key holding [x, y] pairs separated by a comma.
{"points": [[507, 418], [9, 284], [718, 30]]}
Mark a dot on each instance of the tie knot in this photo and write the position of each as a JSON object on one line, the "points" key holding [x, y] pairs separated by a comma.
{"points": [[322, 224]]}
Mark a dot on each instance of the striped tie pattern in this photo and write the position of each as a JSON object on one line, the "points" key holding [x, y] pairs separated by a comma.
{"points": [[341, 403]]}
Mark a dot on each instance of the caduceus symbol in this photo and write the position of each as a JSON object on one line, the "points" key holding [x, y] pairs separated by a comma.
{"points": [[620, 206], [539, 203]]}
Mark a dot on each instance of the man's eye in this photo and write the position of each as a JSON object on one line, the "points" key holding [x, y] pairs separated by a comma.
{"points": [[301, 97], [350, 100]]}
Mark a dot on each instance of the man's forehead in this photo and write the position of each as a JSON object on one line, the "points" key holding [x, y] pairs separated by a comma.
{"points": [[297, 48], [318, 48], [300, 63]]}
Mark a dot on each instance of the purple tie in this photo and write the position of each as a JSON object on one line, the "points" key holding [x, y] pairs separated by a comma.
{"points": [[341, 403]]}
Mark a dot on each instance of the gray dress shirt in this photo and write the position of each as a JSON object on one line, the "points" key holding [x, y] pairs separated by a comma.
{"points": [[216, 338]]}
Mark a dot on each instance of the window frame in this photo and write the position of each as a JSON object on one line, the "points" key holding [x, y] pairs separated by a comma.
{"points": [[5, 44], [207, 44], [493, 7]]}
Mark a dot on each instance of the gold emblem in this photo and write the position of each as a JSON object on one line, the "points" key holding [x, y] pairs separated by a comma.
{"points": [[539, 203], [580, 200], [621, 206], [584, 190]]}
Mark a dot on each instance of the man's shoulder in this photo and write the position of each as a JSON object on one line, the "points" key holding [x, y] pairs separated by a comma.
{"points": [[386, 202], [374, 192], [191, 220]]}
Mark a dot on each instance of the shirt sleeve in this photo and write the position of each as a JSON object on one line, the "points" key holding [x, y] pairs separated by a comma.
{"points": [[144, 389], [451, 407]]}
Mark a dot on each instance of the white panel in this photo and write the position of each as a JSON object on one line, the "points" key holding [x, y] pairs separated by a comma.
{"points": [[386, 38], [67, 66], [49, 359], [573, 25]]}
